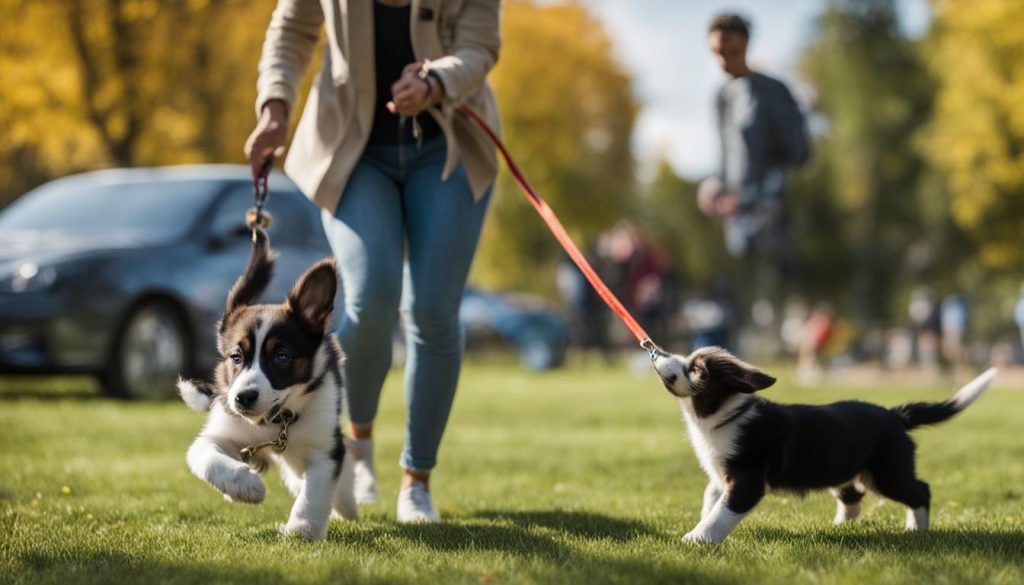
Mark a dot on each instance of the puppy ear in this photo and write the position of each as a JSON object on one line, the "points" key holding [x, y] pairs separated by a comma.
{"points": [[757, 380], [312, 299], [738, 374]]}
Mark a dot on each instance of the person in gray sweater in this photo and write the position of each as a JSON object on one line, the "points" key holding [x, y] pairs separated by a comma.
{"points": [[762, 131]]}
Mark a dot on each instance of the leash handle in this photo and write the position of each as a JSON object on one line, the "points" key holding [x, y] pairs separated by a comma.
{"points": [[549, 217]]}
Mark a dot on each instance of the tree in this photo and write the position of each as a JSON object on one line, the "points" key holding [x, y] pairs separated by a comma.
{"points": [[567, 115], [977, 135], [875, 93], [92, 83]]}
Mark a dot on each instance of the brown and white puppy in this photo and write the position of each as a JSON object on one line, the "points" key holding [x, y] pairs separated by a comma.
{"points": [[748, 445], [277, 360]]}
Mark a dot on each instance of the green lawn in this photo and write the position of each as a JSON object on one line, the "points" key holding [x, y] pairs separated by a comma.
{"points": [[582, 475]]}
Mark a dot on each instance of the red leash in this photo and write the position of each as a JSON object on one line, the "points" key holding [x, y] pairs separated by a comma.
{"points": [[549, 217]]}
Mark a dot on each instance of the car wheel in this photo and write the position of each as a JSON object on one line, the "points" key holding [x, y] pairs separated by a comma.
{"points": [[150, 352], [538, 351]]}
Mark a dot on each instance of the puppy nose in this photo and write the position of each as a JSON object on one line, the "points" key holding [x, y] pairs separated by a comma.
{"points": [[247, 398]]}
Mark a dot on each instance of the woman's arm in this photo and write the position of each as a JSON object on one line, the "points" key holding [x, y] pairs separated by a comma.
{"points": [[474, 52], [293, 32]]}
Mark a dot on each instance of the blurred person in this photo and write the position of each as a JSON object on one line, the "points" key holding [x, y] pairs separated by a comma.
{"points": [[791, 331], [589, 314], [817, 332], [953, 327], [1002, 353], [709, 321], [899, 349], [648, 283], [405, 182], [572, 288], [1018, 316], [761, 131], [644, 279], [924, 313]]}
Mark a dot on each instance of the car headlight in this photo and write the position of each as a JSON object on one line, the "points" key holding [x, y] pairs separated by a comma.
{"points": [[29, 277]]}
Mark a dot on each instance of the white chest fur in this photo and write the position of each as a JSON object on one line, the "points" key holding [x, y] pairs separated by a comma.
{"points": [[714, 444]]}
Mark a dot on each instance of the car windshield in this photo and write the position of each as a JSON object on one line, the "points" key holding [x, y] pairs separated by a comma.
{"points": [[159, 210]]}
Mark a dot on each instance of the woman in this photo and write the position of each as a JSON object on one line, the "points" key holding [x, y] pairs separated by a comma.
{"points": [[405, 180]]}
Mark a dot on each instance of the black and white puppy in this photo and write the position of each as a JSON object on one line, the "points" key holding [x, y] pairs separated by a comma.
{"points": [[748, 445], [279, 361]]}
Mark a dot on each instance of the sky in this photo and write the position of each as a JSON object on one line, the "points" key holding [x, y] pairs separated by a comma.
{"points": [[663, 44]]}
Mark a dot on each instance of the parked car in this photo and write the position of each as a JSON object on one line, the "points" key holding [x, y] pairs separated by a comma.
{"points": [[539, 333], [123, 273]]}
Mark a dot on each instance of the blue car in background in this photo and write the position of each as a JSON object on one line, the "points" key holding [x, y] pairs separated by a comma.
{"points": [[123, 274], [539, 333]]}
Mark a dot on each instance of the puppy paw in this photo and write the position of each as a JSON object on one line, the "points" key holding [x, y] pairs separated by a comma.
{"points": [[241, 486], [699, 537], [347, 513], [303, 530]]}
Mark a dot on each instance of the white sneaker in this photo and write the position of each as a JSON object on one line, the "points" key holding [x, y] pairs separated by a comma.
{"points": [[415, 505], [365, 483]]}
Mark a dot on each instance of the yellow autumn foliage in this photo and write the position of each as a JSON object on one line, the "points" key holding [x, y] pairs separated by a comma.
{"points": [[567, 114], [978, 127]]}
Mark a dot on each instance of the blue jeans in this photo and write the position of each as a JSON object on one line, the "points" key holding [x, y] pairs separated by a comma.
{"points": [[398, 220]]}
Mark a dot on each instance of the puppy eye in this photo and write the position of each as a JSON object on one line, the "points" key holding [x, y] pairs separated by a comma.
{"points": [[282, 359], [236, 357]]}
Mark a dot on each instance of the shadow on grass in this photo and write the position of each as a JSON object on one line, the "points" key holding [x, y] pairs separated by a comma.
{"points": [[548, 559], [389, 549], [510, 532], [1007, 546], [451, 537], [581, 524], [563, 562], [115, 567]]}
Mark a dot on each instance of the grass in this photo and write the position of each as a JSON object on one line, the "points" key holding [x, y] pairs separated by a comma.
{"points": [[582, 475]]}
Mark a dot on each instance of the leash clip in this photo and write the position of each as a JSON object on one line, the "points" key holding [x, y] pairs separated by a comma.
{"points": [[652, 348], [285, 417], [255, 218]]}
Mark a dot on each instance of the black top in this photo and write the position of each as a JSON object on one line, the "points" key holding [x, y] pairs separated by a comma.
{"points": [[392, 49]]}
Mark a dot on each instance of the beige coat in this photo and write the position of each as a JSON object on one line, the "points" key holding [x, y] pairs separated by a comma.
{"points": [[459, 38]]}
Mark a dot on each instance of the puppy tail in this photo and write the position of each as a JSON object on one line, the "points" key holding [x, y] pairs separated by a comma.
{"points": [[915, 414], [197, 394]]}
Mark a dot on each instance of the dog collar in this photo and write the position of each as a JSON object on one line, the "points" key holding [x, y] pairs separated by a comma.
{"points": [[284, 417]]}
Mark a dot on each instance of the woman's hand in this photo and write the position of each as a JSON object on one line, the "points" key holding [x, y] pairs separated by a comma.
{"points": [[270, 135], [412, 94]]}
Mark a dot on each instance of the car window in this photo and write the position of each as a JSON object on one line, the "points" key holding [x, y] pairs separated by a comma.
{"points": [[290, 215], [157, 209]]}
